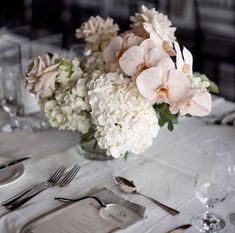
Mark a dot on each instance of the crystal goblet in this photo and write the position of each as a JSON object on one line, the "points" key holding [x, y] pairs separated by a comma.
{"points": [[212, 183]]}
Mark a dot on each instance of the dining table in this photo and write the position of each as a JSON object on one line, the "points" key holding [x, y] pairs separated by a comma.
{"points": [[165, 171]]}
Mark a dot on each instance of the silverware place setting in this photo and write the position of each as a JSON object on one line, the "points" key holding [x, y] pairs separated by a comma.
{"points": [[12, 170], [55, 180], [128, 186], [12, 162]]}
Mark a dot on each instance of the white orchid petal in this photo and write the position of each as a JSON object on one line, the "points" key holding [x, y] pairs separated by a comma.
{"points": [[148, 44], [156, 55], [148, 81], [178, 85], [131, 59], [152, 34], [200, 104], [179, 59], [188, 58]]}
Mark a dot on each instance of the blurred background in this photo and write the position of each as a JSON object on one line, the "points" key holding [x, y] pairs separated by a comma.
{"points": [[205, 27]]}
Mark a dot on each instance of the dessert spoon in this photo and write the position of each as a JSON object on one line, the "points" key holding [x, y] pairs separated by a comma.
{"points": [[128, 186]]}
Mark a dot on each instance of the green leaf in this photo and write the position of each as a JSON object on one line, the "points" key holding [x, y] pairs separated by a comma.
{"points": [[165, 116], [158, 106], [188, 115], [125, 155], [66, 65], [213, 88], [161, 121], [170, 126]]}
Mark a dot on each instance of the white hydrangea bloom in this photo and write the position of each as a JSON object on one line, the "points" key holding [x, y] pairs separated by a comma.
{"points": [[150, 19], [70, 110], [197, 82], [94, 61], [125, 121], [68, 73]]}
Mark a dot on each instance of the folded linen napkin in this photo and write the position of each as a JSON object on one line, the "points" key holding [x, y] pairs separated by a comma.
{"points": [[223, 111], [84, 216]]}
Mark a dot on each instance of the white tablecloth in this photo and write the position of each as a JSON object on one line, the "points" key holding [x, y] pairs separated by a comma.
{"points": [[165, 171]]}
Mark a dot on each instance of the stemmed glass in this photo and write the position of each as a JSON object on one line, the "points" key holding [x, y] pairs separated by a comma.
{"points": [[9, 100], [212, 183], [231, 216]]}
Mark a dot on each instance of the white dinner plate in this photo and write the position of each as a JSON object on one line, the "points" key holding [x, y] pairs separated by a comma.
{"points": [[10, 174]]}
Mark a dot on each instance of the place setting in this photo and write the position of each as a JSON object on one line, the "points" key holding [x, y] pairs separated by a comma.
{"points": [[117, 131], [110, 204]]}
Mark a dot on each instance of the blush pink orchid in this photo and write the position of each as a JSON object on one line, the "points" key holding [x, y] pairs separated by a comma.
{"points": [[163, 83], [139, 58], [184, 62], [117, 46], [197, 102], [158, 38]]}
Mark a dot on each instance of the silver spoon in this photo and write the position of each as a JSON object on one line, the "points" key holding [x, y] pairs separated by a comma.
{"points": [[128, 186]]}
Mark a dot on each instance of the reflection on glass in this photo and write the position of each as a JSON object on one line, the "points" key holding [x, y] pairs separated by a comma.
{"points": [[77, 50], [9, 101], [212, 183]]}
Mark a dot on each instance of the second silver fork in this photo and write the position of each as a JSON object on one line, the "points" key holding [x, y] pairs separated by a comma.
{"points": [[52, 180], [66, 180]]}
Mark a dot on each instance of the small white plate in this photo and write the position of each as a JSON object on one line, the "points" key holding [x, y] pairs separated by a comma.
{"points": [[10, 174]]}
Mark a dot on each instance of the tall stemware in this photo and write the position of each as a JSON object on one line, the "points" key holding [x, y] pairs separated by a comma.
{"points": [[231, 216], [212, 183]]}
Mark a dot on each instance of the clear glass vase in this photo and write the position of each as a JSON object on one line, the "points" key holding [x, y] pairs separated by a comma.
{"points": [[89, 148]]}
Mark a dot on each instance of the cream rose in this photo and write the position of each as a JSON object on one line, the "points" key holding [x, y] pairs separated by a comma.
{"points": [[41, 75]]}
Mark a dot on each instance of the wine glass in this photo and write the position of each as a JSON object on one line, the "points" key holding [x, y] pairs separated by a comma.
{"points": [[9, 100], [231, 216], [212, 183]]}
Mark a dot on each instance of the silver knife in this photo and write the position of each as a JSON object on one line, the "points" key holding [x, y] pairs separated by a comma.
{"points": [[180, 229], [12, 162]]}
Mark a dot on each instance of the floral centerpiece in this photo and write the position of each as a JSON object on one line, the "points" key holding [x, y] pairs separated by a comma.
{"points": [[125, 87]]}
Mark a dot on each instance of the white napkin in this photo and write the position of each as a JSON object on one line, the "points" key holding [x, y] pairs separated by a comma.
{"points": [[222, 109]]}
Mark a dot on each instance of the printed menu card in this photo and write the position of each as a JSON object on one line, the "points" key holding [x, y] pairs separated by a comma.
{"points": [[87, 216]]}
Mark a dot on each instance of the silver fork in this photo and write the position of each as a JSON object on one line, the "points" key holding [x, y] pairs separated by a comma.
{"points": [[69, 177], [53, 179], [66, 180], [26, 195]]}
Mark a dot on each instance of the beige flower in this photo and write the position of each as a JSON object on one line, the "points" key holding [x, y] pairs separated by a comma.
{"points": [[97, 32], [154, 23], [41, 75]]}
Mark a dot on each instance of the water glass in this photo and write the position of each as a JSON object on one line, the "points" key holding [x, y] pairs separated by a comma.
{"points": [[10, 81], [212, 183]]}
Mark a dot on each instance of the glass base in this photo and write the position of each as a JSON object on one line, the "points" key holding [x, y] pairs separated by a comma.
{"points": [[41, 125], [231, 218], [90, 150], [11, 127], [208, 222]]}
